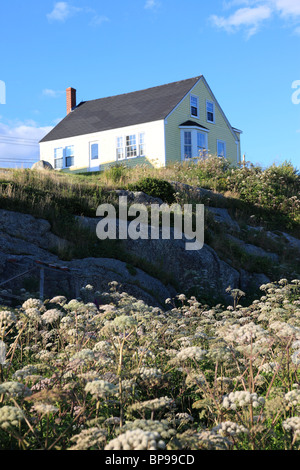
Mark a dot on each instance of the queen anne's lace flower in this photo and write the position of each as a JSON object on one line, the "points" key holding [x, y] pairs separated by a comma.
{"points": [[45, 408], [228, 428], [10, 416], [193, 352], [163, 427], [14, 389], [292, 425], [124, 321], [101, 388], [242, 334], [7, 317], [293, 397], [85, 355], [33, 314], [89, 438], [242, 399], [33, 303], [137, 440], [148, 373], [152, 405], [59, 299], [51, 316]]}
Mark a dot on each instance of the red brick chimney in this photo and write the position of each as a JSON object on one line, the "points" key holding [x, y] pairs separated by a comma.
{"points": [[71, 99]]}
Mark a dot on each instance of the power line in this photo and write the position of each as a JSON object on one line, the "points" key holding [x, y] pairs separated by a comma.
{"points": [[8, 137], [25, 144]]}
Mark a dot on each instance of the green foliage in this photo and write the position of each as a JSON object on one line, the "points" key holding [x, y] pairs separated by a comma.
{"points": [[155, 187], [117, 173], [75, 377]]}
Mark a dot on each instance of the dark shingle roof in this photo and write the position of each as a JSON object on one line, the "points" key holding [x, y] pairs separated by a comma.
{"points": [[124, 110], [192, 123]]}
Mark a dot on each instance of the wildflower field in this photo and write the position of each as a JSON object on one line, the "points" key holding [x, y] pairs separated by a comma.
{"points": [[133, 377]]}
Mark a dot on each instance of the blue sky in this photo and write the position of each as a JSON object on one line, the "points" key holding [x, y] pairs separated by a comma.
{"points": [[248, 51]]}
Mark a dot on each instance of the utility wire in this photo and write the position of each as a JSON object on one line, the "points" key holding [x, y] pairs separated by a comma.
{"points": [[25, 144], [23, 139]]}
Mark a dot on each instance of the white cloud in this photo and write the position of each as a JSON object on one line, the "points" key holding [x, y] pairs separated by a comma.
{"points": [[19, 143], [151, 4], [297, 31], [287, 7], [252, 14], [98, 20], [62, 11], [251, 18], [52, 93]]}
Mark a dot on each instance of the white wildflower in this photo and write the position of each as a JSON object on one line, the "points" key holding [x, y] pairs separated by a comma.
{"points": [[89, 438], [124, 321], [7, 318], [10, 416], [193, 352], [293, 397], [228, 428], [33, 303], [136, 440], [292, 425], [242, 399], [51, 316], [45, 408], [14, 389], [101, 389]]}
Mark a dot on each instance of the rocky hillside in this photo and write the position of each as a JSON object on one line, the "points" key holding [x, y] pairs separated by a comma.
{"points": [[50, 219]]}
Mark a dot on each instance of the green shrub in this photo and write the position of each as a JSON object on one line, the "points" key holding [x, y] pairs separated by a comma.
{"points": [[155, 187], [116, 173]]}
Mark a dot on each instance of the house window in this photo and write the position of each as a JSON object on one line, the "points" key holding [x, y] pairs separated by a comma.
{"points": [[221, 148], [187, 148], [120, 149], [210, 111], [94, 152], [201, 144], [70, 156], [131, 147], [142, 144], [194, 143], [58, 158], [194, 106]]}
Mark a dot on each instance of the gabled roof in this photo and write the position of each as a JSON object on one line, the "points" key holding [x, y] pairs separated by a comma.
{"points": [[138, 107], [192, 124]]}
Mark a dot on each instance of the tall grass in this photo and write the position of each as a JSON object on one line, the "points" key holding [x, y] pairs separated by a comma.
{"points": [[133, 377]]}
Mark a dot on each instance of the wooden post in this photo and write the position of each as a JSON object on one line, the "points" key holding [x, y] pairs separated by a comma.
{"points": [[42, 279]]}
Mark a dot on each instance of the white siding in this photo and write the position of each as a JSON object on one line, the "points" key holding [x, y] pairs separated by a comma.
{"points": [[154, 143]]}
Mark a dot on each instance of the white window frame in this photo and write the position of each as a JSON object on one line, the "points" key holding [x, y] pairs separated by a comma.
{"points": [[194, 141], [122, 152], [131, 146], [197, 99], [69, 156], [213, 112], [187, 145], [202, 152], [142, 145], [59, 158], [223, 143]]}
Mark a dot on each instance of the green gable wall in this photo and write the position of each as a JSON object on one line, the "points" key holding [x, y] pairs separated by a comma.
{"points": [[220, 130]]}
